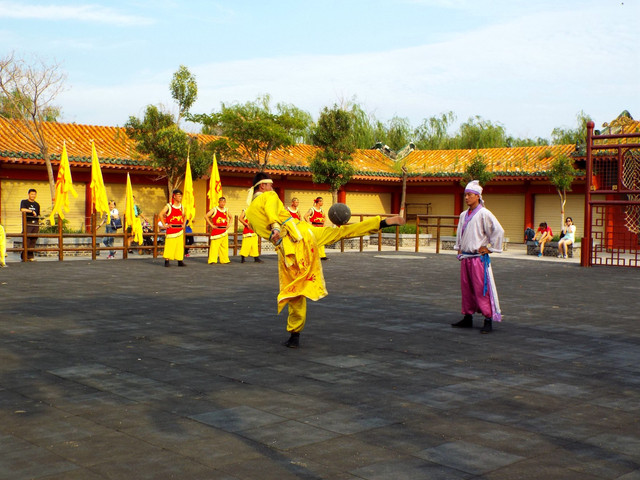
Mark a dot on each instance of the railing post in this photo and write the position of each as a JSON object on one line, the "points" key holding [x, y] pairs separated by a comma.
{"points": [[397, 238], [93, 236], [417, 233], [235, 237], [24, 237], [155, 235], [438, 236], [60, 239], [361, 239]]}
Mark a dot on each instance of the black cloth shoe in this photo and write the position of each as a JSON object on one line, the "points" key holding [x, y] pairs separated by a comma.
{"points": [[466, 322], [258, 260], [181, 263], [487, 327], [294, 340], [166, 263], [242, 259], [324, 258]]}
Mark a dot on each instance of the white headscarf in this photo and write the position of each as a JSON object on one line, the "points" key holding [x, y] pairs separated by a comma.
{"points": [[251, 191], [474, 187]]}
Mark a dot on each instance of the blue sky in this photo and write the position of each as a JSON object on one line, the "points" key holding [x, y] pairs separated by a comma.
{"points": [[530, 66]]}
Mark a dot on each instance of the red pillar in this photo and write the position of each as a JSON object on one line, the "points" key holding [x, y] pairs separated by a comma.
{"points": [[342, 195], [458, 196], [528, 206]]}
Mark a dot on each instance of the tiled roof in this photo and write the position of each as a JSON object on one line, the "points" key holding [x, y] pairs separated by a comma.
{"points": [[114, 148], [513, 161]]}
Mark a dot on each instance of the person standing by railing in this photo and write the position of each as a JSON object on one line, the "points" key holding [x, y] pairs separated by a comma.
{"points": [[315, 216], [172, 217], [218, 219], [32, 209]]}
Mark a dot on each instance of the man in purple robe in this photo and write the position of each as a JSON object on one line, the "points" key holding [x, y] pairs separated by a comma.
{"points": [[479, 234]]}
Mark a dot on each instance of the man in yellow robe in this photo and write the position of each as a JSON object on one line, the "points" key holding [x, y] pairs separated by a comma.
{"points": [[297, 242]]}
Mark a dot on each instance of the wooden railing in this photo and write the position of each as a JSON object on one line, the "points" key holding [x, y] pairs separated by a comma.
{"points": [[428, 222], [94, 244]]}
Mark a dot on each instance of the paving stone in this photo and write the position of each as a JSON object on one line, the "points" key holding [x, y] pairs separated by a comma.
{"points": [[237, 418], [468, 457], [195, 384]]}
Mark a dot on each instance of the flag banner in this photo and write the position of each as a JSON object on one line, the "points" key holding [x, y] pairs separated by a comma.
{"points": [[64, 185], [98, 190], [215, 185], [130, 215], [188, 200]]}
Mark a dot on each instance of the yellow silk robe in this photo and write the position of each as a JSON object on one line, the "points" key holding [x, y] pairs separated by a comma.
{"points": [[299, 268]]}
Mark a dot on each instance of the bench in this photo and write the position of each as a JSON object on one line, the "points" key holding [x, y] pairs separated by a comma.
{"points": [[550, 249]]}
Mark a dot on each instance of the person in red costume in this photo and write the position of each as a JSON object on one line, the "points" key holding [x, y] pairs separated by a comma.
{"points": [[293, 208], [173, 219], [218, 220], [315, 216]]}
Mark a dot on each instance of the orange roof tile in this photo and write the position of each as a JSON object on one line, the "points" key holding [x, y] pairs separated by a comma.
{"points": [[113, 146], [513, 160]]}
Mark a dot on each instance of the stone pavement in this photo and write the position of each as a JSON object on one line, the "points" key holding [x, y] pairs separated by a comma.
{"points": [[129, 370]]}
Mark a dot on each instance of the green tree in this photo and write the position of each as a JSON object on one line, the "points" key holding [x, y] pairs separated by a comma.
{"points": [[399, 132], [477, 170], [575, 136], [27, 93], [256, 129], [433, 132], [561, 175], [479, 133], [158, 136], [184, 91], [331, 165]]}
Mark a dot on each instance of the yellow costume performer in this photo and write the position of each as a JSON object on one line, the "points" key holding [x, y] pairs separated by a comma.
{"points": [[173, 218], [299, 267], [219, 247]]}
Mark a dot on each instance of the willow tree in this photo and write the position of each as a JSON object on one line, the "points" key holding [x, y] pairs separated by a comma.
{"points": [[561, 175], [331, 164]]}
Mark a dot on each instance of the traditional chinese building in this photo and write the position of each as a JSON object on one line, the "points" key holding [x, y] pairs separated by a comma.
{"points": [[520, 193]]}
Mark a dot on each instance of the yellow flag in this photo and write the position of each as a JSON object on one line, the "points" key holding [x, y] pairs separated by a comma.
{"points": [[215, 185], [130, 215], [98, 191], [188, 200], [64, 185]]}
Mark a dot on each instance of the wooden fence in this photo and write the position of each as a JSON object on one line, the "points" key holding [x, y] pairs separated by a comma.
{"points": [[91, 242]]}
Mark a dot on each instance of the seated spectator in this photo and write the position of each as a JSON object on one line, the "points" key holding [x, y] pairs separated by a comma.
{"points": [[568, 237], [543, 235]]}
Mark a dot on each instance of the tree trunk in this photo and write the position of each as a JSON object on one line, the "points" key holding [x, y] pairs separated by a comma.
{"points": [[404, 192], [44, 150]]}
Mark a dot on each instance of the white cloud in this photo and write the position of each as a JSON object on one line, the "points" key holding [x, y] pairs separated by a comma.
{"points": [[531, 74], [83, 13]]}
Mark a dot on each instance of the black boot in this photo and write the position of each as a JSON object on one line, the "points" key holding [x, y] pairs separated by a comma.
{"points": [[181, 263], [487, 327], [258, 260], [166, 263], [466, 322], [294, 340], [241, 259]]}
